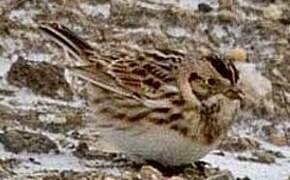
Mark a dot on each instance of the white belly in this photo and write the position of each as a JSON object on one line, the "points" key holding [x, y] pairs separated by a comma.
{"points": [[156, 143]]}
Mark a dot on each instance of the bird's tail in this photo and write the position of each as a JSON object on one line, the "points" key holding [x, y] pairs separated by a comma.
{"points": [[75, 45]]}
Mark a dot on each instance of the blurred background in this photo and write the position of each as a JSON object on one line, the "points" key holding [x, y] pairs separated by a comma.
{"points": [[45, 132]]}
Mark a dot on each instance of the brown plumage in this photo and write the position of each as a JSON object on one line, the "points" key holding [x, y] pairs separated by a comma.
{"points": [[161, 105]]}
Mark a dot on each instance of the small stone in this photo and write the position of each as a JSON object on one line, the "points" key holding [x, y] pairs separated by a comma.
{"points": [[52, 119], [255, 86], [41, 77], [203, 7], [285, 17], [17, 141], [227, 16], [277, 154], [244, 178], [3, 172], [278, 139], [51, 177], [7, 166], [176, 178], [237, 54], [265, 157], [225, 4], [270, 129], [5, 109], [273, 12], [150, 173], [110, 178], [239, 144], [223, 175]]}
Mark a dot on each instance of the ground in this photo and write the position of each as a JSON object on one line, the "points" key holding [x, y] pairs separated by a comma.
{"points": [[45, 131]]}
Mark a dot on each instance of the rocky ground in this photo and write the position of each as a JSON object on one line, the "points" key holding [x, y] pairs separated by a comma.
{"points": [[45, 132]]}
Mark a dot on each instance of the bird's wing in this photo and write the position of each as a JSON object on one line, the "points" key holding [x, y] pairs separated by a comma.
{"points": [[147, 75]]}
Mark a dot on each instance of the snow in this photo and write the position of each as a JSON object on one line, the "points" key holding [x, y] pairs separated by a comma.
{"points": [[176, 31], [39, 57], [186, 4], [193, 4], [4, 66], [96, 10], [26, 99], [252, 170], [44, 162], [255, 171], [10, 45], [23, 16]]}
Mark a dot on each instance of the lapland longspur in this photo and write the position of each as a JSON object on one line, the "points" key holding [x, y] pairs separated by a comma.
{"points": [[168, 107]]}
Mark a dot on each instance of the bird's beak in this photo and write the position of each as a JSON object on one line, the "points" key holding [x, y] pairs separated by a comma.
{"points": [[234, 93]]}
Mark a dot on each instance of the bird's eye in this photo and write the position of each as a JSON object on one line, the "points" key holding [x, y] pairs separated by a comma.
{"points": [[211, 81]]}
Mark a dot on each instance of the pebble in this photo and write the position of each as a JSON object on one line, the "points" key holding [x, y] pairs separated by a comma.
{"points": [[238, 144], [225, 4], [278, 139], [223, 175], [150, 173], [227, 16], [41, 77], [17, 141], [273, 12], [237, 54], [264, 157], [205, 8]]}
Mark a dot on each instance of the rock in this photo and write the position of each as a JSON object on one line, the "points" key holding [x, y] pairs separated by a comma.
{"points": [[6, 167], [277, 154], [205, 8], [52, 119], [3, 172], [273, 135], [110, 178], [255, 86], [264, 157], [270, 129], [285, 18], [6, 92], [237, 54], [41, 77], [239, 144], [176, 178], [225, 4], [244, 178], [72, 175], [150, 173], [272, 12], [223, 175], [226, 16], [17, 141], [278, 139], [5, 109]]}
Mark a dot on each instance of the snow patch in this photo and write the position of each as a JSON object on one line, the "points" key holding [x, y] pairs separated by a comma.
{"points": [[25, 99], [177, 32], [193, 4], [255, 171], [23, 16], [4, 66], [96, 10]]}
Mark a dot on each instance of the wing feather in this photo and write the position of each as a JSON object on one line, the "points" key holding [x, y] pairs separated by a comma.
{"points": [[143, 75]]}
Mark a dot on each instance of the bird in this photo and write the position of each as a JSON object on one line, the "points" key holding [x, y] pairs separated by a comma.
{"points": [[159, 105]]}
